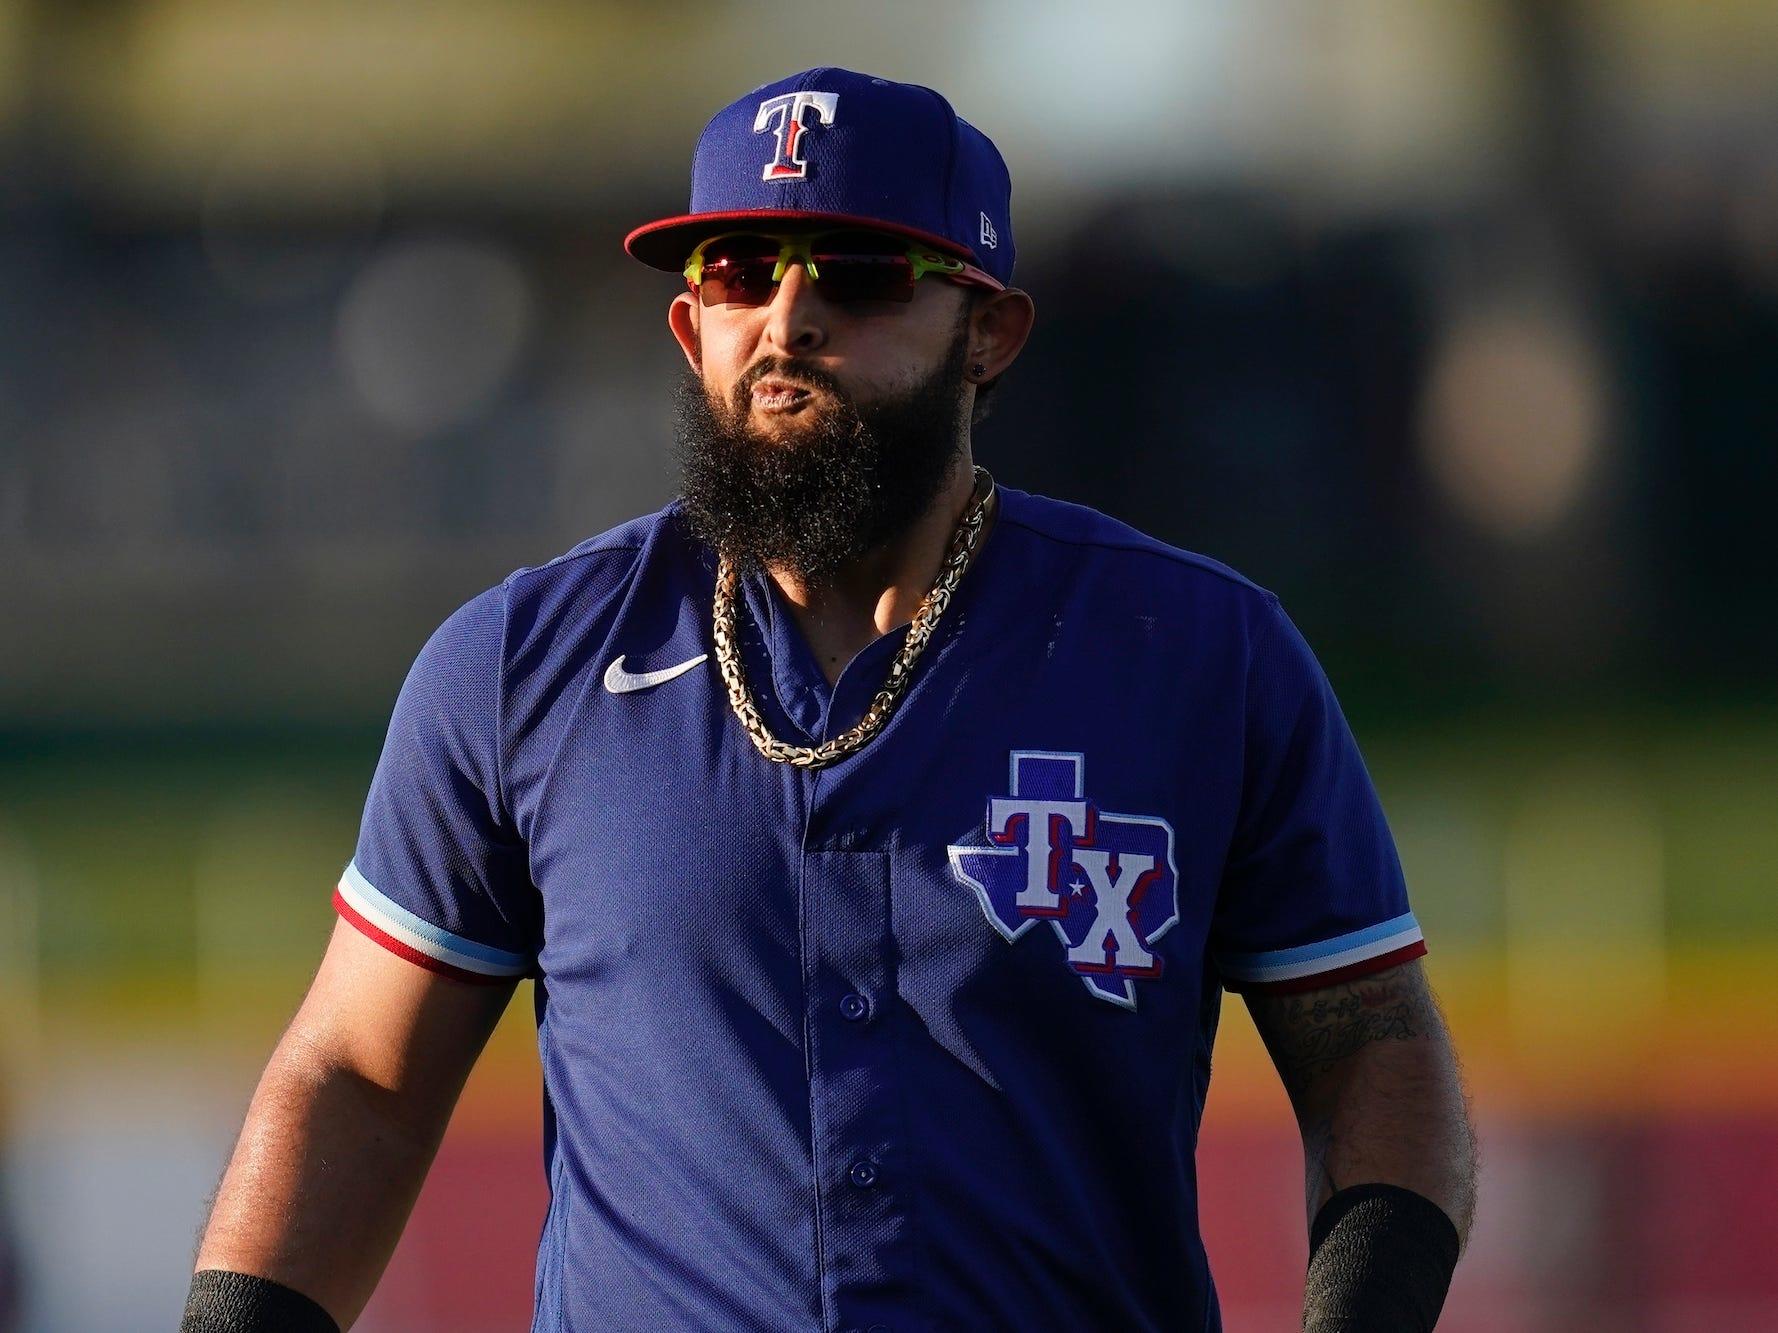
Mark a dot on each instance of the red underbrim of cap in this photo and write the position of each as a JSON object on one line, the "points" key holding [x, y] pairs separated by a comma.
{"points": [[667, 244]]}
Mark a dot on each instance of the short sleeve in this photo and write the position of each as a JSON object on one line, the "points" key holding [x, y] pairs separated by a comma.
{"points": [[440, 876], [1312, 892]]}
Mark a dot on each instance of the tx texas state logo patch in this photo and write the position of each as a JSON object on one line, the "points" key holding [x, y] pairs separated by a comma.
{"points": [[1106, 883]]}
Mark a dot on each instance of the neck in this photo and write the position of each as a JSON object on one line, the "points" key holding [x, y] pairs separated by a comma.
{"points": [[882, 589]]}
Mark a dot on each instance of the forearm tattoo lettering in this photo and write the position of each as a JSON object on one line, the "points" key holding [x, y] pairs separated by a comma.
{"points": [[1310, 1033]]}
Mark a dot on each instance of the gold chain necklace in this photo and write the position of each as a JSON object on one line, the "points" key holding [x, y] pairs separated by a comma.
{"points": [[958, 557]]}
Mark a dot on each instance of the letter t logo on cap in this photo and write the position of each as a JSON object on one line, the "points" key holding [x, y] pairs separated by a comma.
{"points": [[783, 115]]}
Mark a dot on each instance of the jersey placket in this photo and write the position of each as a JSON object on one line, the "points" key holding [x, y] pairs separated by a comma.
{"points": [[858, 1149], [859, 1146]]}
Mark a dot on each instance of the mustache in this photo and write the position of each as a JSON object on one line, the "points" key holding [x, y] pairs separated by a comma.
{"points": [[802, 376]]}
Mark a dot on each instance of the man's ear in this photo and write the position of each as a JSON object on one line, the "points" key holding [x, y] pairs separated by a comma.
{"points": [[683, 319], [999, 325]]}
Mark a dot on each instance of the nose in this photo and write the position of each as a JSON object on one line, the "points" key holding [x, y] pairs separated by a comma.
{"points": [[796, 319]]}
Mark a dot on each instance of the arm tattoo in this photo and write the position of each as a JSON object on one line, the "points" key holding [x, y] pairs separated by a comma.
{"points": [[1370, 1120], [1311, 1032]]}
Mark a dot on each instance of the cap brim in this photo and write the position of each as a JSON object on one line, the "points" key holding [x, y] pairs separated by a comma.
{"points": [[668, 243]]}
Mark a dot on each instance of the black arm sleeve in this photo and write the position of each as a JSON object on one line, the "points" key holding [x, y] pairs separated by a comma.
{"points": [[225, 1302], [1380, 1261]]}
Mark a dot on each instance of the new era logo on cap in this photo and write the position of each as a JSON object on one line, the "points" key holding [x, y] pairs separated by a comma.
{"points": [[831, 145]]}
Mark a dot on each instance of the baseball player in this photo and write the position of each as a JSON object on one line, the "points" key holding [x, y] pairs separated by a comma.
{"points": [[880, 839]]}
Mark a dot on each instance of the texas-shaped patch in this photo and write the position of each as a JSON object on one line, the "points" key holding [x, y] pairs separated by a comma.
{"points": [[1105, 882]]}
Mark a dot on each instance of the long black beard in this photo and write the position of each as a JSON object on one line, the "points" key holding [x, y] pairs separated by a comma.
{"points": [[845, 481]]}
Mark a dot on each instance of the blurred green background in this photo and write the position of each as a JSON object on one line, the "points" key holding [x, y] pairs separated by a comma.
{"points": [[1455, 325]]}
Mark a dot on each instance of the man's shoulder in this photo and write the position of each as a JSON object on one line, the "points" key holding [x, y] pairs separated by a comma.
{"points": [[1121, 548], [599, 558], [537, 603]]}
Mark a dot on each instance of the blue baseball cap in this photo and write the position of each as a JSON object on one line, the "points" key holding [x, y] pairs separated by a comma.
{"points": [[829, 145]]}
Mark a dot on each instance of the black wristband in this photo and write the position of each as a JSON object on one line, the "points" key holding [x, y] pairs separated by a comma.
{"points": [[1380, 1261], [225, 1302]]}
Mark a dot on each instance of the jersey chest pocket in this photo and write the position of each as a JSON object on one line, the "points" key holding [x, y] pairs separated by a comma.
{"points": [[639, 889]]}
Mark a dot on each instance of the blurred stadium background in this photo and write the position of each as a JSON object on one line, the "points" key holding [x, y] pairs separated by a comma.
{"points": [[1455, 324]]}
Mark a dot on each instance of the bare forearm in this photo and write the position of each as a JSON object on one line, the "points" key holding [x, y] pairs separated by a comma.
{"points": [[1377, 1091], [320, 1185], [1396, 1116]]}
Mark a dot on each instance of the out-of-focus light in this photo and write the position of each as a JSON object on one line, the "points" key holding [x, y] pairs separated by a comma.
{"points": [[1356, 102], [1512, 423], [15, 52], [245, 942], [288, 208], [20, 1026], [430, 331], [1585, 898], [1753, 226], [15, 485], [1059, 65]]}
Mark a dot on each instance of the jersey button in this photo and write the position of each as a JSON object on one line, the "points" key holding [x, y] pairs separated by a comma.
{"points": [[863, 1174], [853, 1006]]}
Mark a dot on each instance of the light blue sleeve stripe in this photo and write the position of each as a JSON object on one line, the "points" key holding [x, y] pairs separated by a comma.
{"points": [[1304, 953], [427, 931]]}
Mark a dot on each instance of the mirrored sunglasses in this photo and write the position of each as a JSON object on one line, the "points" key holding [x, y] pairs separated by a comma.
{"points": [[744, 268]]}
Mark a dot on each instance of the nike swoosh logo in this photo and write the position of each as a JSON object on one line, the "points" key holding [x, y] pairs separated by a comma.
{"points": [[619, 681]]}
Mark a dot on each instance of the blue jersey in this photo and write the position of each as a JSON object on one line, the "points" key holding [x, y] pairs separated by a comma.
{"points": [[919, 1041]]}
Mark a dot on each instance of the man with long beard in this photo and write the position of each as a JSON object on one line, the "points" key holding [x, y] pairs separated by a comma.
{"points": [[815, 484], [880, 840]]}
